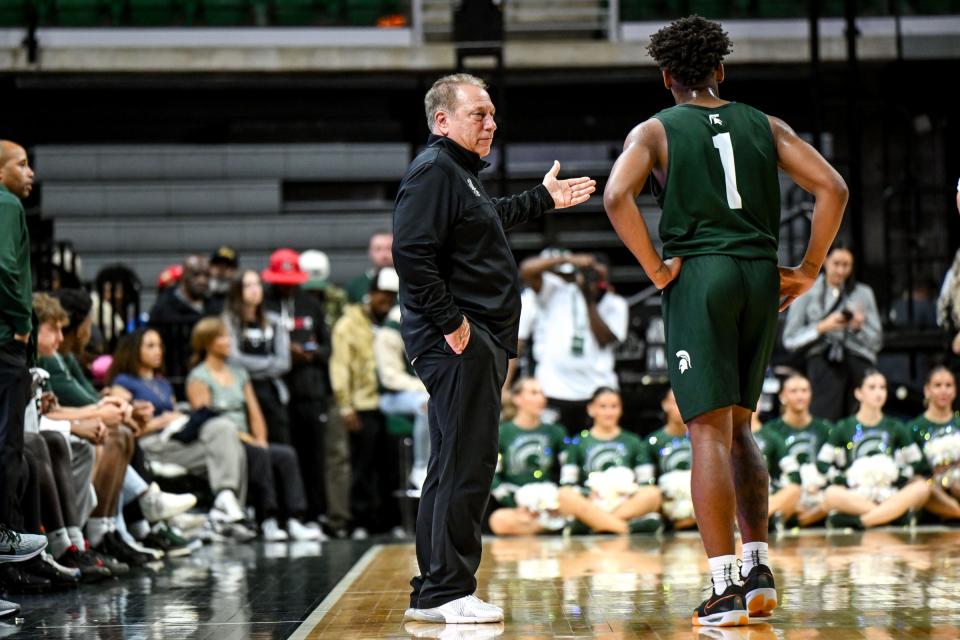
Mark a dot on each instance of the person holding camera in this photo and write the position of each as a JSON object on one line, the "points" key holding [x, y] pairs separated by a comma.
{"points": [[838, 326], [583, 321]]}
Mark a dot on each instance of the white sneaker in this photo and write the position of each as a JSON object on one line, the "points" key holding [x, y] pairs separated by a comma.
{"points": [[465, 610], [417, 477], [359, 534], [299, 532], [272, 532], [228, 504], [157, 505]]}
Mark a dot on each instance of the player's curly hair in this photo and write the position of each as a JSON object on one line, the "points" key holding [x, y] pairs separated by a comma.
{"points": [[690, 49]]}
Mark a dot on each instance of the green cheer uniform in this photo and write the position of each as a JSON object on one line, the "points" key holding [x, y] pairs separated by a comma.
{"points": [[924, 432], [669, 452], [586, 454], [721, 214], [526, 456], [851, 440], [773, 451], [802, 446]]}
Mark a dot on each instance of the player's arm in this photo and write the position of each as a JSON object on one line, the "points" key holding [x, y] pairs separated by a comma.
{"points": [[627, 178], [813, 173]]}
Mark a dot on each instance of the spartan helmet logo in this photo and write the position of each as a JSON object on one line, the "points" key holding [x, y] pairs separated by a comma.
{"points": [[684, 361]]}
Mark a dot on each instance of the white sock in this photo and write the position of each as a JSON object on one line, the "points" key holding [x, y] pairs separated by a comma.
{"points": [[724, 572], [57, 542], [97, 528], [754, 553], [139, 529], [76, 537]]}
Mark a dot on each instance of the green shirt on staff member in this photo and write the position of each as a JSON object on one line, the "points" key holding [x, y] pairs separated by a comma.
{"points": [[16, 281]]}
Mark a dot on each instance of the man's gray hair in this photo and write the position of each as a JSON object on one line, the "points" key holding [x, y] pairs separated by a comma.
{"points": [[443, 94]]}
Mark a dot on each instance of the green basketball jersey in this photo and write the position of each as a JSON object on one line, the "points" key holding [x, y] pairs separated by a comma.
{"points": [[722, 194], [669, 452], [526, 456], [803, 445], [586, 454]]}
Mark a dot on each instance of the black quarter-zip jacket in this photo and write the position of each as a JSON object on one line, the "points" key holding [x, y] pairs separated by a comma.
{"points": [[451, 251]]}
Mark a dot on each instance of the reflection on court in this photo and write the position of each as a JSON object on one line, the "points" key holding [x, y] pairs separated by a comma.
{"points": [[876, 585]]}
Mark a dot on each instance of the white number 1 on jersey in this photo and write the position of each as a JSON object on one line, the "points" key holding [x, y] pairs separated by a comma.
{"points": [[724, 145]]}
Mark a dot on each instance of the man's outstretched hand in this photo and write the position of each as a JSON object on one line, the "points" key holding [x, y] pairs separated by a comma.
{"points": [[794, 282], [568, 193]]}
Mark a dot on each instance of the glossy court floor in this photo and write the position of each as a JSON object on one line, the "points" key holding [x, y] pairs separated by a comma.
{"points": [[876, 585]]}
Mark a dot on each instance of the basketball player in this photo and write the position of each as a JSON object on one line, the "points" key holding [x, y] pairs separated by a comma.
{"points": [[715, 168]]}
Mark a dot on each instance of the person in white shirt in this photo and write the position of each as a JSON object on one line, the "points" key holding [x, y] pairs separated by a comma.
{"points": [[580, 323]]}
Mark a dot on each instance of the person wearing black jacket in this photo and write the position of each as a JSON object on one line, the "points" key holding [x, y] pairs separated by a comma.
{"points": [[460, 306]]}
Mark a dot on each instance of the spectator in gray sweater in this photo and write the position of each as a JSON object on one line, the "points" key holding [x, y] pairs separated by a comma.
{"points": [[837, 324]]}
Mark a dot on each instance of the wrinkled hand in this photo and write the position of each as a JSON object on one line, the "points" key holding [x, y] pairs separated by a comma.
{"points": [[570, 192], [667, 272], [794, 282], [459, 339]]}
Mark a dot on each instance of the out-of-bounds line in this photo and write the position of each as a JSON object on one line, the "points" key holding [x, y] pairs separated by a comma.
{"points": [[324, 607]]}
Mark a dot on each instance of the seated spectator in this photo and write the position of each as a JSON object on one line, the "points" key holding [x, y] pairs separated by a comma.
{"points": [[783, 495], [402, 392], [529, 453], [353, 374], [176, 311], [838, 325], [671, 452], [380, 251], [937, 432], [223, 270], [581, 321], [803, 436], [607, 475], [218, 386], [113, 476], [260, 344], [211, 448], [873, 461]]}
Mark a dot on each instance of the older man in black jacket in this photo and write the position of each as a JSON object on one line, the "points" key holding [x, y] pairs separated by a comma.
{"points": [[460, 303]]}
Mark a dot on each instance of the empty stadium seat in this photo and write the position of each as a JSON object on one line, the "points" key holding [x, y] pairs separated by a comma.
{"points": [[158, 13], [304, 12], [227, 13], [88, 13]]}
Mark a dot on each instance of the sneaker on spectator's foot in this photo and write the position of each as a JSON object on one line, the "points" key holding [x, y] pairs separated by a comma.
{"points": [[14, 579], [417, 477], [116, 567], [652, 523], [298, 531], [113, 545], [19, 547], [359, 534], [725, 610], [465, 610], [316, 526], [44, 566], [8, 608], [158, 505], [272, 532], [164, 538], [760, 591], [154, 552], [91, 568], [229, 507]]}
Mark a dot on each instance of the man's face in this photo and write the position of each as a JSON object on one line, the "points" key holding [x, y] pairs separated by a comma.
{"points": [[381, 302], [15, 173], [471, 124], [195, 278], [49, 338], [381, 250]]}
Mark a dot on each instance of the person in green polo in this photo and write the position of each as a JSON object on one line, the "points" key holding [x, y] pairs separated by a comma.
{"points": [[715, 165]]}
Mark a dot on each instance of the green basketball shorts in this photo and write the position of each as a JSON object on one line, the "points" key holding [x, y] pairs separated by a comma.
{"points": [[720, 318]]}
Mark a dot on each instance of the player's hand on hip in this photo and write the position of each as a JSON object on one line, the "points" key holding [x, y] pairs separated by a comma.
{"points": [[794, 282], [668, 272], [567, 193], [459, 339]]}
